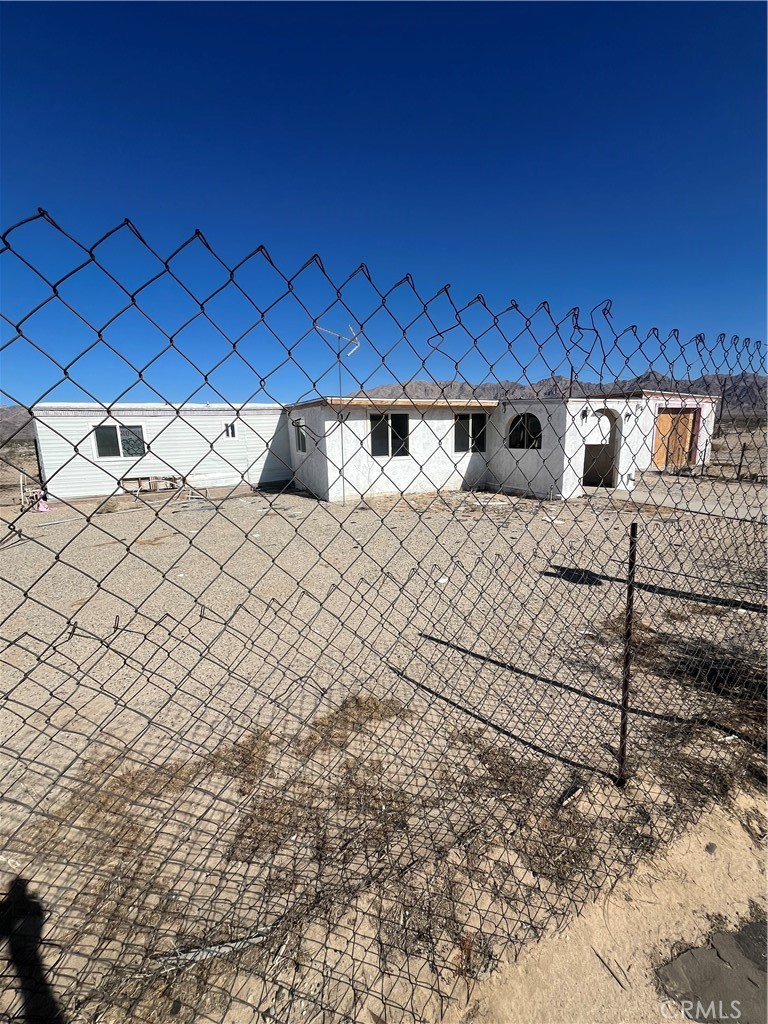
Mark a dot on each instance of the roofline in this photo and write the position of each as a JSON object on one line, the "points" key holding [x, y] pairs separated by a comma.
{"points": [[120, 407], [407, 403], [650, 392]]}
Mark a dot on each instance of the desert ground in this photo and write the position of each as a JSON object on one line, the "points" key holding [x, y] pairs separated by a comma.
{"points": [[272, 759]]}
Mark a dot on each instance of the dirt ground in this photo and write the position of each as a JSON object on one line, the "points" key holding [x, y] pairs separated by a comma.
{"points": [[267, 758], [18, 467], [601, 968]]}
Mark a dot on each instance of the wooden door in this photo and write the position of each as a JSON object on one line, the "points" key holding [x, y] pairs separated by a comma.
{"points": [[674, 434]]}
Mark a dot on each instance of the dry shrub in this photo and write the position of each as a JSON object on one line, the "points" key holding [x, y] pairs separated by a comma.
{"points": [[244, 761], [110, 505], [558, 844], [270, 821], [509, 777], [112, 795], [336, 729]]}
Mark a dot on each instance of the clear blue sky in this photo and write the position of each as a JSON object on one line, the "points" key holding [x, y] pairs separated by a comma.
{"points": [[568, 152]]}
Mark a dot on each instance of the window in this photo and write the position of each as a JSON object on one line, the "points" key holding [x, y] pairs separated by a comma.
{"points": [[524, 432], [469, 432], [301, 435], [389, 434], [114, 442], [230, 429]]}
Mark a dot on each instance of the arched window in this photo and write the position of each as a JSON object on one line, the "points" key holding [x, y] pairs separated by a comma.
{"points": [[524, 432]]}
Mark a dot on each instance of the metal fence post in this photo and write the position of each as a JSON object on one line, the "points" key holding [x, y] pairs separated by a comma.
{"points": [[621, 778], [741, 461]]}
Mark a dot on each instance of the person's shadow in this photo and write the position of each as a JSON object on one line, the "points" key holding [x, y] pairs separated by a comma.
{"points": [[21, 925]]}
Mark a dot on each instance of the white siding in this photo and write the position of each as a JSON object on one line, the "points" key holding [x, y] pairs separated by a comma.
{"points": [[187, 443]]}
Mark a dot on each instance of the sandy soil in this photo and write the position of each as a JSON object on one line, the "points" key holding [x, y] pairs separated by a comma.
{"points": [[273, 759], [601, 967]]}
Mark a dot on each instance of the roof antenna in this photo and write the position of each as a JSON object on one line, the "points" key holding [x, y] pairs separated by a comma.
{"points": [[354, 341]]}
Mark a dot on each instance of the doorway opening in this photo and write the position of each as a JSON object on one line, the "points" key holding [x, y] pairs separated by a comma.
{"points": [[601, 457]]}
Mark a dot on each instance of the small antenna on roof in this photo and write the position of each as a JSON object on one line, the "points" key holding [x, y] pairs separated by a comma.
{"points": [[354, 341]]}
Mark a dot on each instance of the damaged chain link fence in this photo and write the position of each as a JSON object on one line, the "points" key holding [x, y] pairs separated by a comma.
{"points": [[322, 693]]}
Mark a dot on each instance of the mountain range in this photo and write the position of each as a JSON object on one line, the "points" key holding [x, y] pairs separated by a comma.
{"points": [[745, 394]]}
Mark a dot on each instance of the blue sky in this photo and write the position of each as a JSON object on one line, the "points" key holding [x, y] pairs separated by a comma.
{"points": [[567, 152]]}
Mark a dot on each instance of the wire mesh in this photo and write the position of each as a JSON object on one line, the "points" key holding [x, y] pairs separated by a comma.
{"points": [[314, 626]]}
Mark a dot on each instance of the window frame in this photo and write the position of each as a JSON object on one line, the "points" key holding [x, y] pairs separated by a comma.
{"points": [[533, 439], [300, 435], [398, 443], [114, 425], [476, 436]]}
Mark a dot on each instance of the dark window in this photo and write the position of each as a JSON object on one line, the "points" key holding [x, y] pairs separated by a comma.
{"points": [[379, 435], [301, 435], [524, 432], [106, 443], [230, 430], [469, 432], [399, 427], [389, 434], [113, 442]]}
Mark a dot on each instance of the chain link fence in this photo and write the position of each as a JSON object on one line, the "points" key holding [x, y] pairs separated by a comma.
{"points": [[327, 683]]}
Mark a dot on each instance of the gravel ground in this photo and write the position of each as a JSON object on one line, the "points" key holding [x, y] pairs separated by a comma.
{"points": [[269, 759]]}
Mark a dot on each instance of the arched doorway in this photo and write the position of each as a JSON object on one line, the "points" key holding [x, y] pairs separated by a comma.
{"points": [[601, 453]]}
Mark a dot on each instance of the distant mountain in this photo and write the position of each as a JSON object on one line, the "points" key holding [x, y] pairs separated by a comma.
{"points": [[15, 424], [746, 394]]}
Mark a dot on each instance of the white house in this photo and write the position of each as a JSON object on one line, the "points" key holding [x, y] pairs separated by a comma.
{"points": [[545, 448], [87, 450], [344, 448], [347, 447]]}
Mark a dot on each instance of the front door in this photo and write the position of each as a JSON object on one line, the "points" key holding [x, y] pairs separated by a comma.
{"points": [[674, 438]]}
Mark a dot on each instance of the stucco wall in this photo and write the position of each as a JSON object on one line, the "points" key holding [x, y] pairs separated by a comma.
{"points": [[187, 443], [652, 404], [537, 472], [310, 468], [431, 465], [556, 470], [626, 433]]}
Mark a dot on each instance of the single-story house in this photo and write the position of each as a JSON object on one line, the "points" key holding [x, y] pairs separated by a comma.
{"points": [[545, 448], [344, 448]]}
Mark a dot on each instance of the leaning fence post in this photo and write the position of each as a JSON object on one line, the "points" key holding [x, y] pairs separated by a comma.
{"points": [[741, 461], [704, 458], [621, 778]]}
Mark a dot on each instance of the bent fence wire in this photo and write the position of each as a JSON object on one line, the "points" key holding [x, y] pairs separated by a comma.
{"points": [[315, 633]]}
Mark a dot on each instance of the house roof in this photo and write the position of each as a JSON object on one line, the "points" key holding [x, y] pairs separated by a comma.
{"points": [[402, 403], [148, 408], [653, 392]]}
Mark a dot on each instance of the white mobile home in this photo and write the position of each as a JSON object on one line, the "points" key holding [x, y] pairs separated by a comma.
{"points": [[87, 450]]}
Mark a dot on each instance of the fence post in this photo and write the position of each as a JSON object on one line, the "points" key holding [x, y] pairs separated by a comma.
{"points": [[741, 461], [621, 778], [704, 458]]}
